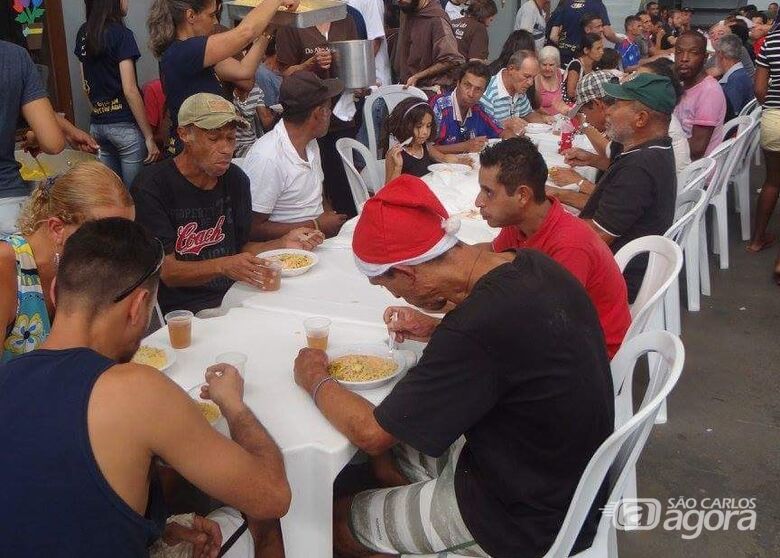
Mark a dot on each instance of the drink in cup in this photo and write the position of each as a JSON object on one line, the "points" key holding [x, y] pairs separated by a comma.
{"points": [[317, 330], [235, 359], [271, 272], [179, 328]]}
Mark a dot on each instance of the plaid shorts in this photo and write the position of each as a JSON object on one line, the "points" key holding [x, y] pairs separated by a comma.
{"points": [[421, 518]]}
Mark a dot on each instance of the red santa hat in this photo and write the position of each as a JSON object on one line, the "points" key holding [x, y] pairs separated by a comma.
{"points": [[404, 223]]}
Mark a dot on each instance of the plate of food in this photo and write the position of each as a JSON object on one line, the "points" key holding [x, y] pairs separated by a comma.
{"points": [[210, 411], [451, 168], [156, 356], [294, 261], [366, 366], [537, 128]]}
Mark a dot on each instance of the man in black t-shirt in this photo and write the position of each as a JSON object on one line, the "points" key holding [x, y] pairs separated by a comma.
{"points": [[507, 405], [199, 206], [636, 195]]}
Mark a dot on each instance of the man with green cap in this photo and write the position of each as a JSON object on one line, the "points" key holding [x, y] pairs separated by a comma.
{"points": [[199, 206], [636, 195]]}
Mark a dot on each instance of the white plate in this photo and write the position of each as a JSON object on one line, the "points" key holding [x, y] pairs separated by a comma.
{"points": [[449, 167], [170, 354], [220, 424], [403, 359], [537, 128], [292, 272]]}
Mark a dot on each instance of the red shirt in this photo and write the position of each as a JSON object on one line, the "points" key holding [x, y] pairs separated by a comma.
{"points": [[572, 243], [154, 102], [758, 44]]}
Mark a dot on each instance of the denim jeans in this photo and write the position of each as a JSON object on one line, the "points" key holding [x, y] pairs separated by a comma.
{"points": [[122, 148]]}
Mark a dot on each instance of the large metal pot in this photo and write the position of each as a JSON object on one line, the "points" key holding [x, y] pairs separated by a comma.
{"points": [[354, 62]]}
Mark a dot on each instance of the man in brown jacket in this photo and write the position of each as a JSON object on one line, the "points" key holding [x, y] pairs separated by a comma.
{"points": [[427, 50]]}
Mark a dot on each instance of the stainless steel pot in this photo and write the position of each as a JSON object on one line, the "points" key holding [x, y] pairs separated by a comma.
{"points": [[354, 61]]}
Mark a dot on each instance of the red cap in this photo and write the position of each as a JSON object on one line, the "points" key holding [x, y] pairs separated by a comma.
{"points": [[404, 223]]}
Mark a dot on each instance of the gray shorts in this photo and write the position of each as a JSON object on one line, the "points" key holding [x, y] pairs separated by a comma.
{"points": [[421, 518]]}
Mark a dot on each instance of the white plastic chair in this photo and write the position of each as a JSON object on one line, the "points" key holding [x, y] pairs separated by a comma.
{"points": [[617, 456], [665, 260], [743, 126], [741, 176], [361, 185], [724, 166], [696, 176], [690, 208], [391, 95]]}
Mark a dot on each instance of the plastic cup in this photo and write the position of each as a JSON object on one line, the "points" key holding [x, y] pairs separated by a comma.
{"points": [[179, 328], [234, 359], [317, 330], [272, 275]]}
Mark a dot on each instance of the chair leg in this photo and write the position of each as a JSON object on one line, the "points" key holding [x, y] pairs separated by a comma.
{"points": [[691, 252], [612, 546], [672, 308], [704, 259], [629, 493], [722, 227], [743, 195]]}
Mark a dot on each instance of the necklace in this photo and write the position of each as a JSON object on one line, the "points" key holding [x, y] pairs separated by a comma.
{"points": [[473, 267]]}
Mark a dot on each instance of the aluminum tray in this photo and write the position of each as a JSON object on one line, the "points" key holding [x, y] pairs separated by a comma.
{"points": [[309, 14]]}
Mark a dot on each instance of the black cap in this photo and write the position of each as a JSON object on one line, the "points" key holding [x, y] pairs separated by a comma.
{"points": [[303, 90]]}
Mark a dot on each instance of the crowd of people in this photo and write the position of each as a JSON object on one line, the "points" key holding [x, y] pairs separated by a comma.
{"points": [[232, 151]]}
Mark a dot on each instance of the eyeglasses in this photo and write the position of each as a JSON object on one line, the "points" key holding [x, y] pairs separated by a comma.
{"points": [[148, 273]]}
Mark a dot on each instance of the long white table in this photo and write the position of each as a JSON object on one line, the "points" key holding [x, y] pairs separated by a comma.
{"points": [[314, 451], [268, 327]]}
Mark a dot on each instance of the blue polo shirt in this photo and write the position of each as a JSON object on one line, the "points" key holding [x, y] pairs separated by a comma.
{"points": [[629, 53], [453, 128]]}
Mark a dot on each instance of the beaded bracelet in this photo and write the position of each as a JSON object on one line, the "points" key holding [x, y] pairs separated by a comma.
{"points": [[318, 386]]}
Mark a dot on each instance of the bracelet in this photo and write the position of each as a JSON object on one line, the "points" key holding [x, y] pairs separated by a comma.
{"points": [[579, 184], [316, 389], [316, 224]]}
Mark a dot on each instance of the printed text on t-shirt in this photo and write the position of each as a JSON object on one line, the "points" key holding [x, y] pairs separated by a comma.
{"points": [[191, 241]]}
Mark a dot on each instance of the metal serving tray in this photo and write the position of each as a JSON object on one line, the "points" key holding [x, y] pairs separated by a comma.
{"points": [[308, 14]]}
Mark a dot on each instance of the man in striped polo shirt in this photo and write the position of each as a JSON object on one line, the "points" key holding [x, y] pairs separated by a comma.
{"points": [[505, 98]]}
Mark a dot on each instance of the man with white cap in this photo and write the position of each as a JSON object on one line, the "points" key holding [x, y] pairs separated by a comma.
{"points": [[199, 206], [490, 432]]}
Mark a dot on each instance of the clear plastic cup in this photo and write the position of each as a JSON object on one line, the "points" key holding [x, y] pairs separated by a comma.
{"points": [[317, 330], [233, 358], [271, 272], [179, 328]]}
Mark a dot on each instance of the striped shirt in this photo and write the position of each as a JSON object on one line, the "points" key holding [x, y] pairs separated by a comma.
{"points": [[247, 108], [769, 58], [499, 104]]}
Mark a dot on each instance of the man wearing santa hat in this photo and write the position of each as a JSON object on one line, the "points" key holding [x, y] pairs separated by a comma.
{"points": [[491, 431]]}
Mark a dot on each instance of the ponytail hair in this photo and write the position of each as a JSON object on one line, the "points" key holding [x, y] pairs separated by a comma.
{"points": [[164, 17], [73, 196]]}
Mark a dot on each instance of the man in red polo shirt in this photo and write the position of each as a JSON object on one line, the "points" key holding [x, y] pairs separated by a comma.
{"points": [[512, 179]]}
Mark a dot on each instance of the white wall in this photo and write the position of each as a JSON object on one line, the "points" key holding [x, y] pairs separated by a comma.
{"points": [[73, 13]]}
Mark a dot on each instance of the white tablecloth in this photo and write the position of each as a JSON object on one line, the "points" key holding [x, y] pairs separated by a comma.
{"points": [[314, 451]]}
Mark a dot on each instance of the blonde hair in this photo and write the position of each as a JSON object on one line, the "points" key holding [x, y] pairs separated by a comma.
{"points": [[72, 196], [164, 17]]}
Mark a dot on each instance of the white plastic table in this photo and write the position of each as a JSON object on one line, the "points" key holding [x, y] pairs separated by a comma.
{"points": [[314, 451]]}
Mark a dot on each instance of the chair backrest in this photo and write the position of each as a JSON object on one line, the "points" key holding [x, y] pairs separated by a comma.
{"points": [[724, 167], [357, 185], [618, 454], [750, 108], [690, 204], [696, 175], [665, 260], [747, 127], [391, 95]]}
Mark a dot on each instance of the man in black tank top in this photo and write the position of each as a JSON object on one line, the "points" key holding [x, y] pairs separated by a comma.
{"points": [[86, 487]]}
